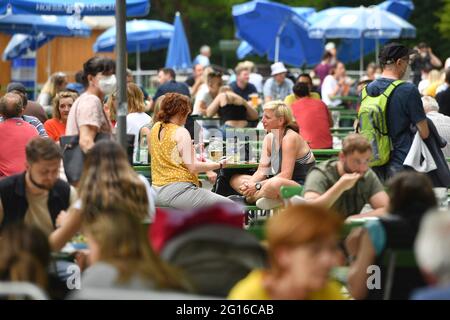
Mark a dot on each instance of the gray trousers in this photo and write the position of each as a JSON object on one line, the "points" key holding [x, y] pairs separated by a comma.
{"points": [[185, 195]]}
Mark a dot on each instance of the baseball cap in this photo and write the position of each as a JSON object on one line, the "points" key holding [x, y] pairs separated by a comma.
{"points": [[16, 86], [394, 51], [277, 68]]}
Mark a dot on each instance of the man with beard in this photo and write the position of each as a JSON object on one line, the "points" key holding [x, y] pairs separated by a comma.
{"points": [[36, 196], [347, 184]]}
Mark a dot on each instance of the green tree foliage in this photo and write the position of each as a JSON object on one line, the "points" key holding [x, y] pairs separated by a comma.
{"points": [[209, 21]]}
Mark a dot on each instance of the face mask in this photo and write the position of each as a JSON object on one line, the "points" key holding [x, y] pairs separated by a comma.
{"points": [[407, 74], [107, 84]]}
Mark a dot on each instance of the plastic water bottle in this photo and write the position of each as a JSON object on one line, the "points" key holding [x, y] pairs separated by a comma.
{"points": [[143, 150]]}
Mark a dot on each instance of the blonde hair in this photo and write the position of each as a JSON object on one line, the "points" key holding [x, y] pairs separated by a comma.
{"points": [[135, 98], [109, 180], [299, 225], [58, 97], [53, 83], [123, 243], [280, 109]]}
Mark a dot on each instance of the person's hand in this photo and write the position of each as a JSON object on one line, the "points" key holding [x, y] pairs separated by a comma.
{"points": [[250, 190], [82, 259], [348, 180], [212, 176], [353, 241], [61, 218]]}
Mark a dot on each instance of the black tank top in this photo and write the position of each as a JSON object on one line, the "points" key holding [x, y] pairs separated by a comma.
{"points": [[232, 112]]}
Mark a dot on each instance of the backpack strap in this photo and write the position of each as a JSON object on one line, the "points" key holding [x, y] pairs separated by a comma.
{"points": [[391, 87]]}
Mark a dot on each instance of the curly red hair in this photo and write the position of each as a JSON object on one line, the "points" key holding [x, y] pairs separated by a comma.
{"points": [[173, 104]]}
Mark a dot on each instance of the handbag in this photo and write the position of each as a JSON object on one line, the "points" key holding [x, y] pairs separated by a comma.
{"points": [[73, 156]]}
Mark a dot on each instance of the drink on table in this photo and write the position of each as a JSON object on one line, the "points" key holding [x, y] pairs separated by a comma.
{"points": [[215, 149], [254, 100]]}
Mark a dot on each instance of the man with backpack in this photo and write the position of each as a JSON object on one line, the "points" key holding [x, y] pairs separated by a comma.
{"points": [[391, 111]]}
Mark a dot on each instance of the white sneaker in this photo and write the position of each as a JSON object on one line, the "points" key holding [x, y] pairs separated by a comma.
{"points": [[267, 204], [297, 200]]}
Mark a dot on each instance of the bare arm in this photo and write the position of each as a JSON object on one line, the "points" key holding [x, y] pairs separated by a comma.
{"points": [[87, 137], [330, 118], [218, 102], [264, 161], [251, 112], [72, 224], [202, 107], [435, 61], [357, 276], [187, 153], [424, 131], [327, 199]]}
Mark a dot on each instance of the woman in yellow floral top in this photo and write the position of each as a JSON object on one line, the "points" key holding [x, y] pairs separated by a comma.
{"points": [[173, 162], [303, 248]]}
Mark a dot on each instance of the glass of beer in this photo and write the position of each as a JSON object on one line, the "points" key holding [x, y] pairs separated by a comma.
{"points": [[254, 100]]}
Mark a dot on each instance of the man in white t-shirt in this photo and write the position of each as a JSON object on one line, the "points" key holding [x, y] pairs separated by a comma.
{"points": [[333, 86]]}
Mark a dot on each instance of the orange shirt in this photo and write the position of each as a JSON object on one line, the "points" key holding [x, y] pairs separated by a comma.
{"points": [[55, 128]]}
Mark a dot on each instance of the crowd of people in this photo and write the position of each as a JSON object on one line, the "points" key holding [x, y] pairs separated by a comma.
{"points": [[111, 204]]}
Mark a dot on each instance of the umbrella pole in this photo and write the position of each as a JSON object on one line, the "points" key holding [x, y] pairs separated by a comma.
{"points": [[138, 65], [121, 74], [277, 40], [377, 51], [48, 59], [35, 74], [361, 57]]}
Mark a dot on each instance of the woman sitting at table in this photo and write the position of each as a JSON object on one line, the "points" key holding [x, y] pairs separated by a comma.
{"points": [[285, 159], [56, 127], [303, 248], [411, 196], [173, 162], [233, 110]]}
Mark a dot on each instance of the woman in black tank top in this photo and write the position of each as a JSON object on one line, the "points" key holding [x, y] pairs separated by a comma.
{"points": [[285, 159], [233, 110]]}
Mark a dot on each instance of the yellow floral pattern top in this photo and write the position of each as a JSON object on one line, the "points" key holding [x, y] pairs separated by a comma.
{"points": [[167, 166]]}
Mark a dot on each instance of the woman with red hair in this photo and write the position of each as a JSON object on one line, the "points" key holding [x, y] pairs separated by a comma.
{"points": [[173, 162]]}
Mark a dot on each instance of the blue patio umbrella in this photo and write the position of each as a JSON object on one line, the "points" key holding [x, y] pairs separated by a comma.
{"points": [[142, 36], [21, 43], [246, 49], [134, 8], [49, 25], [276, 30], [3, 7], [360, 23], [178, 56], [52, 26], [349, 49]]}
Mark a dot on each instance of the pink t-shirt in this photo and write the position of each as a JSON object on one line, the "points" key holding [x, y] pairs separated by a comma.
{"points": [[15, 134], [87, 110], [313, 120]]}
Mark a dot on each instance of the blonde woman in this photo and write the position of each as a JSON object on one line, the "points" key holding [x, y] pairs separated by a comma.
{"points": [[285, 159], [136, 117], [121, 257], [56, 127], [303, 248], [56, 83], [107, 181]]}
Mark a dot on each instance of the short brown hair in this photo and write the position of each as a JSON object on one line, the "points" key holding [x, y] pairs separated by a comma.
{"points": [[42, 149], [172, 104], [355, 142], [298, 225], [58, 97]]}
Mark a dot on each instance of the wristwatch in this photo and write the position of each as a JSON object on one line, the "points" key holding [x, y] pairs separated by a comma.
{"points": [[258, 186]]}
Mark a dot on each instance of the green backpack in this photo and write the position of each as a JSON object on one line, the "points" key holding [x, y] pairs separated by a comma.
{"points": [[372, 123]]}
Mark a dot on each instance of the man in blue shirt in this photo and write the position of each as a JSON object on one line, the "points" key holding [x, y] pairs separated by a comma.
{"points": [[405, 111], [242, 86], [166, 78]]}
